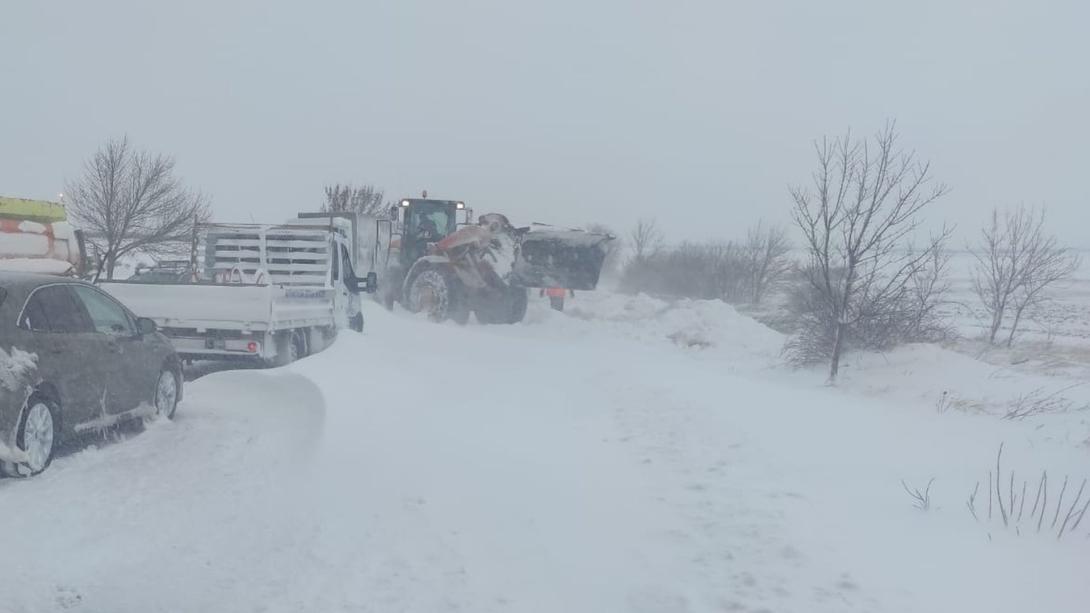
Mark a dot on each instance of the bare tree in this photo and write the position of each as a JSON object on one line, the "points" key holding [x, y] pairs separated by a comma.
{"points": [[130, 201], [365, 200], [765, 253], [1016, 262], [856, 219], [646, 239]]}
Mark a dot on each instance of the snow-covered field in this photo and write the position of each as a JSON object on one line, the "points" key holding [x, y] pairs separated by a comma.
{"points": [[628, 455]]}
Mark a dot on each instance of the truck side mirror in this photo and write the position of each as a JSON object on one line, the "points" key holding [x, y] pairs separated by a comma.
{"points": [[367, 284]]}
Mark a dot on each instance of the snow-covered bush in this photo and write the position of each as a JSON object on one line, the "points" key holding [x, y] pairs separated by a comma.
{"points": [[733, 272], [882, 320]]}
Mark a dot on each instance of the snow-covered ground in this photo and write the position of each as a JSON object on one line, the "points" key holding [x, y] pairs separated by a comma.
{"points": [[628, 455]]}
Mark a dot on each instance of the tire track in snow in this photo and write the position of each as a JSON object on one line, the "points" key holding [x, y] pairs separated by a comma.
{"points": [[179, 517]]}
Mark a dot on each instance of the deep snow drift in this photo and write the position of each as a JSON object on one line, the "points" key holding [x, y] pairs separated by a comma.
{"points": [[625, 456]]}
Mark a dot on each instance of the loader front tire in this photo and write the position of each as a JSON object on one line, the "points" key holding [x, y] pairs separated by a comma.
{"points": [[437, 292]]}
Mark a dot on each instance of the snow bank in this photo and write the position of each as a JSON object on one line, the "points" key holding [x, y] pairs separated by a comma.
{"points": [[712, 327], [923, 378]]}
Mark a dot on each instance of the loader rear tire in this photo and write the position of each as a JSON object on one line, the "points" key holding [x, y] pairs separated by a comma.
{"points": [[437, 292], [508, 307], [519, 302]]}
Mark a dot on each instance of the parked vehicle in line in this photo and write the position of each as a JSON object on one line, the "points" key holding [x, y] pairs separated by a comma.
{"points": [[73, 359], [167, 271], [35, 236], [268, 293]]}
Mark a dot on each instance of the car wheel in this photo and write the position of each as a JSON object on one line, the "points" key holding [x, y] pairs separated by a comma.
{"points": [[166, 394], [37, 436]]}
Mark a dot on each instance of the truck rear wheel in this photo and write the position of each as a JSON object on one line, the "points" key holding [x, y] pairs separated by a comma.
{"points": [[436, 291], [290, 346]]}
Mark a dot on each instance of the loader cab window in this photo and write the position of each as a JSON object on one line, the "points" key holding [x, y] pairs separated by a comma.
{"points": [[431, 223]]}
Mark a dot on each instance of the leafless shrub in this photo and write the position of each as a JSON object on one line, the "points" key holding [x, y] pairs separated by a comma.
{"points": [[971, 502], [707, 271], [1038, 402], [944, 402], [1065, 519], [646, 239], [1016, 262], [999, 485], [920, 500], [646, 244], [881, 319], [856, 219], [365, 200], [927, 290], [130, 201], [765, 254], [713, 270]]}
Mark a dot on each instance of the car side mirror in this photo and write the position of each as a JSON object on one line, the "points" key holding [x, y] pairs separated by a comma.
{"points": [[145, 325]]}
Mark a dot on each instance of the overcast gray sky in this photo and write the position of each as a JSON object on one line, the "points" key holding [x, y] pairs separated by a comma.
{"points": [[697, 113]]}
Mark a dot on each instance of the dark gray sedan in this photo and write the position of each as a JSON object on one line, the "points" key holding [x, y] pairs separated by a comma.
{"points": [[73, 359]]}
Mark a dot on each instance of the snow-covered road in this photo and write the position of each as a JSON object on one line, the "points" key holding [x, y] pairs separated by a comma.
{"points": [[563, 465]]}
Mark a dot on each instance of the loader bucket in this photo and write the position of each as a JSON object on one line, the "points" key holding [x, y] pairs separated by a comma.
{"points": [[559, 258]]}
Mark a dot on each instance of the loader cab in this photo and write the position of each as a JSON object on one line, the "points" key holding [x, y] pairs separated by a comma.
{"points": [[424, 222]]}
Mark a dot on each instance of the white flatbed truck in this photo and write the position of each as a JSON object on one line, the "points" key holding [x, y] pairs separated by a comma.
{"points": [[269, 293]]}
